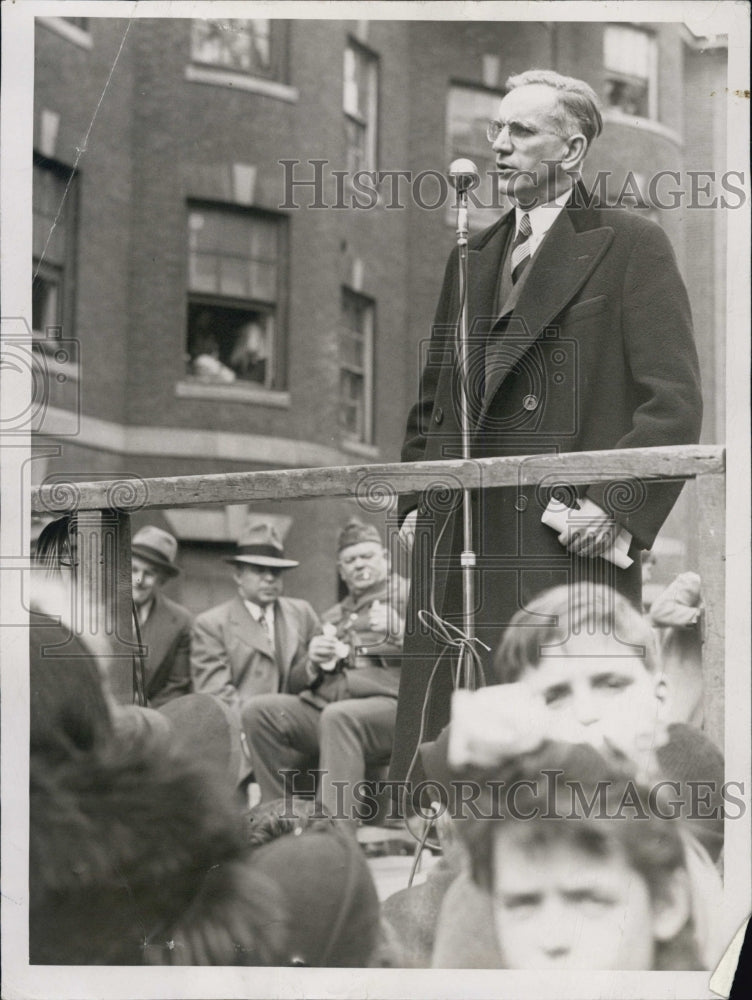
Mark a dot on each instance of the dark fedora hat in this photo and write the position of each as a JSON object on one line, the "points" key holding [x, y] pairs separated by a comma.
{"points": [[157, 547], [260, 545]]}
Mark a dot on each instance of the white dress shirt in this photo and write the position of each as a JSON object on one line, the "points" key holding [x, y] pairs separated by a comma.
{"points": [[262, 615], [542, 217]]}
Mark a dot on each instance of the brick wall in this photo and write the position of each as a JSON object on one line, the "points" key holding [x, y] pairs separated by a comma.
{"points": [[159, 139]]}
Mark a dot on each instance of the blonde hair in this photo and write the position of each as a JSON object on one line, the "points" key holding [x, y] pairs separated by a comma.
{"points": [[556, 614]]}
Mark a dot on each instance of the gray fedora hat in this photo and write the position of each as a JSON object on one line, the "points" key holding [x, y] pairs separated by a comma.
{"points": [[260, 545], [157, 547]]}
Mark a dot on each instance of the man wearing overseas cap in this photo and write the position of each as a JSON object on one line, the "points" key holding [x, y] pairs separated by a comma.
{"points": [[164, 626], [256, 643], [345, 714]]}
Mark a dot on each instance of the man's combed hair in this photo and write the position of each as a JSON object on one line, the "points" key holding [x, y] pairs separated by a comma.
{"points": [[578, 103], [556, 615]]}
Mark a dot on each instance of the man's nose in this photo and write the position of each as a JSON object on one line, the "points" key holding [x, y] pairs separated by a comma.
{"points": [[585, 708], [503, 141], [556, 930]]}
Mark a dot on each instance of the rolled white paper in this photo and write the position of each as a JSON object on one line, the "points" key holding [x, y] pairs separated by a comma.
{"points": [[559, 517]]}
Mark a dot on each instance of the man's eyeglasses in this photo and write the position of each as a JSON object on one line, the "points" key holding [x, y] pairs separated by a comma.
{"points": [[517, 131]]}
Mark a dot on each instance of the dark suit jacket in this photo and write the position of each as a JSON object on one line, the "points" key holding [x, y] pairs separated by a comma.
{"points": [[166, 636], [598, 353], [231, 656]]}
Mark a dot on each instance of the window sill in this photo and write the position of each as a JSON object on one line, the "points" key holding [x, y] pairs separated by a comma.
{"points": [[232, 392], [61, 27], [239, 81], [360, 448]]}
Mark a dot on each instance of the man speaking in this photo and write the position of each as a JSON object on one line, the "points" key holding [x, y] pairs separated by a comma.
{"points": [[580, 339]]}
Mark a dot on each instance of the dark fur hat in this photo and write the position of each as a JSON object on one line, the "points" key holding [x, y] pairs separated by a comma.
{"points": [[125, 846]]}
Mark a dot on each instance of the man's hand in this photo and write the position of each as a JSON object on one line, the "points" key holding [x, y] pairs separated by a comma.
{"points": [[590, 533], [407, 531], [322, 649]]}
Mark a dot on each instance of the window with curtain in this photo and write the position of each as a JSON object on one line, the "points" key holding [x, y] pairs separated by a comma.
{"points": [[255, 46], [235, 296], [630, 57]]}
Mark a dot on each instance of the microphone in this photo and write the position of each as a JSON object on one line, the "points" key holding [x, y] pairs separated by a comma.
{"points": [[463, 174]]}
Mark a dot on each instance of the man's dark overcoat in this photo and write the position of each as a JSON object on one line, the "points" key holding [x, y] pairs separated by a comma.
{"points": [[166, 636], [598, 353]]}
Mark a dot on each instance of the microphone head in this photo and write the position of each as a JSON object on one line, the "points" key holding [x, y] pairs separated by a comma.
{"points": [[463, 174]]}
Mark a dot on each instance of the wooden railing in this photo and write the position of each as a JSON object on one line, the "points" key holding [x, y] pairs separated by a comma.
{"points": [[103, 523]]}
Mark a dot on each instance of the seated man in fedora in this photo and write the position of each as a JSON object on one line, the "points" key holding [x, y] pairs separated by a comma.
{"points": [[251, 644], [164, 626], [344, 716]]}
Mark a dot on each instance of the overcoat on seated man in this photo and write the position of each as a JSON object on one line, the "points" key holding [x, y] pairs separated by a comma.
{"points": [[257, 642]]}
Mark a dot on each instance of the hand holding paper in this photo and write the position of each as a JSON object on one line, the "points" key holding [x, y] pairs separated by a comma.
{"points": [[589, 531]]}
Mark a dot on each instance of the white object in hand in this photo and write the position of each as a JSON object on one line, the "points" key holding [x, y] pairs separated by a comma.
{"points": [[494, 723], [330, 631], [559, 517]]}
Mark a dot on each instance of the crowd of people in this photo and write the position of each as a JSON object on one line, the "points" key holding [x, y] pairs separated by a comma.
{"points": [[578, 804], [217, 824]]}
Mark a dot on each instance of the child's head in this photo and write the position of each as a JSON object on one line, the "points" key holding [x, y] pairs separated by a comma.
{"points": [[591, 656], [586, 894], [576, 886]]}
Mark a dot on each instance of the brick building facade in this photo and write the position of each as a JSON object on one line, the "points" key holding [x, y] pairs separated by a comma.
{"points": [[217, 328]]}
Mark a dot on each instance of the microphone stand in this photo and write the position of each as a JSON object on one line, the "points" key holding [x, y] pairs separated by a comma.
{"points": [[467, 556]]}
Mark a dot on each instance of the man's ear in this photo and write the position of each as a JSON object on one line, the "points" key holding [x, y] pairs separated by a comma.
{"points": [[672, 906], [577, 148]]}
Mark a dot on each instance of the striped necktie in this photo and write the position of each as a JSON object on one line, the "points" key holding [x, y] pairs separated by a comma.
{"points": [[267, 627], [521, 248]]}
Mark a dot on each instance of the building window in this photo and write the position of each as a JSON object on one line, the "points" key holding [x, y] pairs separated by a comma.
{"points": [[630, 58], [234, 305], [356, 367], [52, 202], [254, 46], [469, 110], [360, 97]]}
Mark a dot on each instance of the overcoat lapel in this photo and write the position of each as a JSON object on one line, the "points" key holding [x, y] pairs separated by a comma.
{"points": [[286, 638], [484, 265], [157, 637], [564, 262]]}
